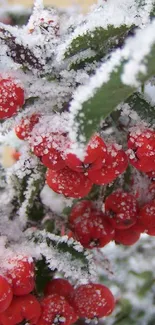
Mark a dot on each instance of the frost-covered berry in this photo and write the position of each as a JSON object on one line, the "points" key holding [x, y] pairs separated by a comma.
{"points": [[25, 308], [142, 150], [121, 209], [56, 310], [128, 237], [90, 227], [25, 127], [82, 208], [21, 273], [115, 164], [11, 97], [59, 286], [5, 294], [53, 159], [147, 215], [68, 182], [43, 142], [95, 153], [93, 300]]}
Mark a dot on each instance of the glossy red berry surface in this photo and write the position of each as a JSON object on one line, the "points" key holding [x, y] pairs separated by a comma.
{"points": [[53, 159], [21, 274], [115, 164], [68, 182], [25, 308], [25, 127], [93, 300], [121, 209], [142, 145], [90, 227], [56, 309], [11, 97], [147, 215], [128, 237], [61, 287], [5, 294], [95, 153], [81, 209]]}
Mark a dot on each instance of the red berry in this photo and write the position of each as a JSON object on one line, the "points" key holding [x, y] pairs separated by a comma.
{"points": [[121, 209], [93, 300], [53, 160], [21, 273], [95, 153], [24, 129], [11, 97], [115, 164], [142, 144], [41, 142], [150, 231], [151, 174], [22, 308], [59, 286], [147, 215], [40, 146], [90, 227], [80, 209], [128, 236], [5, 294], [68, 182], [55, 309]]}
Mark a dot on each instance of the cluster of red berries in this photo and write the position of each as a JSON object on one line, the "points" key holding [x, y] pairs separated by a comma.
{"points": [[122, 220], [64, 304], [66, 173], [11, 97], [61, 302], [16, 284]]}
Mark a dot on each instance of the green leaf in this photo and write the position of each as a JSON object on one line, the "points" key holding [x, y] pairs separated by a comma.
{"points": [[141, 106], [108, 96], [65, 251], [43, 275], [100, 40]]}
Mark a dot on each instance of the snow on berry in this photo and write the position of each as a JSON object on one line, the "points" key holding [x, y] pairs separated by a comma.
{"points": [[68, 182], [121, 209], [20, 271], [56, 309], [6, 294], [53, 159], [141, 144], [90, 226], [62, 287], [93, 300], [25, 308], [24, 128], [114, 165], [11, 97], [94, 156]]}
